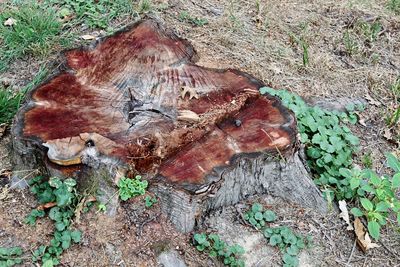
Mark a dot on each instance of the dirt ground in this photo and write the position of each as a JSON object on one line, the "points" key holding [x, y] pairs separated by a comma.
{"points": [[262, 42]]}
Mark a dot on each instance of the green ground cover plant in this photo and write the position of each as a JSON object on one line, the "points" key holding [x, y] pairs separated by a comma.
{"points": [[329, 143], [289, 243], [217, 248], [258, 217], [129, 188], [64, 194], [377, 194], [330, 146], [10, 256]]}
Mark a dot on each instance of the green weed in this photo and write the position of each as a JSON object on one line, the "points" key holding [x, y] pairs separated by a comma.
{"points": [[395, 89], [359, 38], [369, 31], [10, 256], [304, 45], [366, 160], [93, 13], [393, 117], [150, 201], [258, 217], [350, 43], [217, 248], [302, 42], [10, 101], [330, 144], [186, 17], [129, 188], [377, 194], [394, 5], [35, 31], [145, 6], [9, 104], [64, 194], [288, 242], [282, 237]]}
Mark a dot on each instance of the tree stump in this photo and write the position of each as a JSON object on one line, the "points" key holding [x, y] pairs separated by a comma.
{"points": [[136, 103]]}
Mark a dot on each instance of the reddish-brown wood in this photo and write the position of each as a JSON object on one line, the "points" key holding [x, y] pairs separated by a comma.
{"points": [[138, 96]]}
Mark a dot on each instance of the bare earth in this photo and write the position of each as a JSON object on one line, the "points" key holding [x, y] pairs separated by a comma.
{"points": [[261, 42]]}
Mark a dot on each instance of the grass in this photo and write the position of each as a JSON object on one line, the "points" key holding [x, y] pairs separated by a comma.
{"points": [[393, 113], [39, 29], [184, 16], [366, 160], [10, 100], [144, 6], [395, 89], [359, 38], [91, 13], [35, 31], [394, 5]]}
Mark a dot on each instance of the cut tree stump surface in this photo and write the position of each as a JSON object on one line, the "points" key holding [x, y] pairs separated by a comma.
{"points": [[138, 99]]}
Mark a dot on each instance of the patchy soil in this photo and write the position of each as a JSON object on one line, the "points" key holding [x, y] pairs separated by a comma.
{"points": [[264, 42]]}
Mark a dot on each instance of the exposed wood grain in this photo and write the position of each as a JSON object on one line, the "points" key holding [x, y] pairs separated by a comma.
{"points": [[137, 101]]}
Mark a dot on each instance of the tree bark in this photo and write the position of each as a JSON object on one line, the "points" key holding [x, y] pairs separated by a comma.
{"points": [[136, 103]]}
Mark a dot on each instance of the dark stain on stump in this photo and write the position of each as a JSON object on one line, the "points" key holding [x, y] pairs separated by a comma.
{"points": [[138, 96]]}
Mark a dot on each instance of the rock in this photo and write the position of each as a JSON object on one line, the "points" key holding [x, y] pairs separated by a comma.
{"points": [[338, 104], [170, 258]]}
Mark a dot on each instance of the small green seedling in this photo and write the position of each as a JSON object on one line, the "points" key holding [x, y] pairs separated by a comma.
{"points": [[329, 143], [282, 237], [10, 256], [217, 248], [366, 160], [350, 43], [289, 243], [150, 201], [129, 188], [257, 216], [101, 207]]}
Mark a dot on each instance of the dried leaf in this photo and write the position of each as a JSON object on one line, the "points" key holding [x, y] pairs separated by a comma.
{"points": [[345, 214], [9, 22], [5, 174], [363, 239], [4, 194], [372, 101], [369, 242], [388, 134], [47, 206], [3, 127], [190, 90], [78, 210], [88, 37], [361, 118]]}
